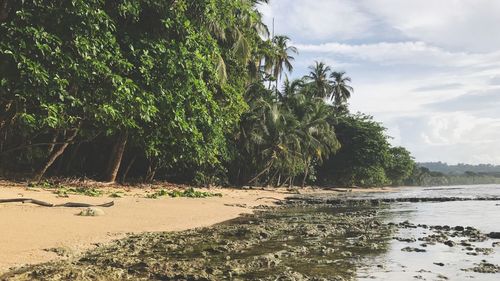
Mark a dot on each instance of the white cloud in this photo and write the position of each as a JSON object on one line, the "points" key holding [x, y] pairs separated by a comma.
{"points": [[416, 53], [458, 24], [429, 70], [455, 137], [318, 19]]}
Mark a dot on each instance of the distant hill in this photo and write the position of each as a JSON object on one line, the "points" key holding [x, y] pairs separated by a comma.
{"points": [[460, 168]]}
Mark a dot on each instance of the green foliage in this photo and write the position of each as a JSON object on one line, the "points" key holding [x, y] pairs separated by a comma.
{"points": [[422, 176], [180, 90], [64, 191], [400, 165], [188, 193], [363, 156], [91, 192]]}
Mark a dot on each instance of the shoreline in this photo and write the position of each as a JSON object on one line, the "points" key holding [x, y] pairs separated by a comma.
{"points": [[33, 234]]}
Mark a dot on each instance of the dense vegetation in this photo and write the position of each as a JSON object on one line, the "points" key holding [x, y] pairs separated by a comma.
{"points": [[438, 173], [178, 90], [461, 168]]}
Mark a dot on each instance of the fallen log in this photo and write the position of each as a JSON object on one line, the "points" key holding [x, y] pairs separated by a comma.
{"points": [[45, 204]]}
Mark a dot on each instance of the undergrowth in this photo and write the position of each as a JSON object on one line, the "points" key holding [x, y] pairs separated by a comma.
{"points": [[188, 193]]}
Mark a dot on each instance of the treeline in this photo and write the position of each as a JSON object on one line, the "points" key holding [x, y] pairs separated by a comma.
{"points": [[178, 90], [461, 168], [438, 174]]}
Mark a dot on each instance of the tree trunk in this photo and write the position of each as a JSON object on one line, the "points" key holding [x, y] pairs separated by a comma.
{"points": [[305, 178], [269, 165], [306, 173], [129, 166], [271, 179], [56, 152], [7, 113], [54, 141], [115, 159], [150, 175]]}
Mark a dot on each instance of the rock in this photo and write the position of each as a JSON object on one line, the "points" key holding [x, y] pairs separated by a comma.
{"points": [[439, 263], [484, 251], [410, 249], [459, 228], [495, 244], [91, 212], [450, 243], [407, 240], [494, 235], [485, 267], [60, 251]]}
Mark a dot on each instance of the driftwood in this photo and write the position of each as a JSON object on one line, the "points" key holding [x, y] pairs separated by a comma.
{"points": [[45, 204]]}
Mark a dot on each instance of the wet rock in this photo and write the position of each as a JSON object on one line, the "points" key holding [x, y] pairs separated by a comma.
{"points": [[465, 244], [407, 240], [450, 243], [484, 267], [60, 251], [411, 249], [484, 251], [439, 263], [459, 228], [494, 235]]}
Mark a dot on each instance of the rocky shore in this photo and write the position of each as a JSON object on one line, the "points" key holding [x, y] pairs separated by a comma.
{"points": [[287, 243], [303, 239]]}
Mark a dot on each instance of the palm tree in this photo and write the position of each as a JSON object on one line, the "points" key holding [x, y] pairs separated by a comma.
{"points": [[319, 83], [341, 89], [243, 38], [281, 58], [292, 87], [317, 135]]}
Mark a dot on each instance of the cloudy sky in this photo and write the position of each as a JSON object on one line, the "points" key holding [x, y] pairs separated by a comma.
{"points": [[428, 69]]}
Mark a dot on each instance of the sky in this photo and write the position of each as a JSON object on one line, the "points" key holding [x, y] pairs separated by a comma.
{"points": [[428, 69]]}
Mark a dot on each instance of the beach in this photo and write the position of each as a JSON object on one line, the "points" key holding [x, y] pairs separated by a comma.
{"points": [[32, 234], [28, 231]]}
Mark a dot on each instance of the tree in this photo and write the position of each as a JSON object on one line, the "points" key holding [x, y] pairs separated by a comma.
{"points": [[399, 166], [128, 75], [362, 157], [341, 90], [282, 57], [317, 135], [318, 80]]}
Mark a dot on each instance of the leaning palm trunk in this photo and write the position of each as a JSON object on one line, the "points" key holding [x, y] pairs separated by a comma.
{"points": [[268, 167]]}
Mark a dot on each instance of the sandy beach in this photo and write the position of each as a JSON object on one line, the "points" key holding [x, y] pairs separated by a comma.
{"points": [[27, 230]]}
